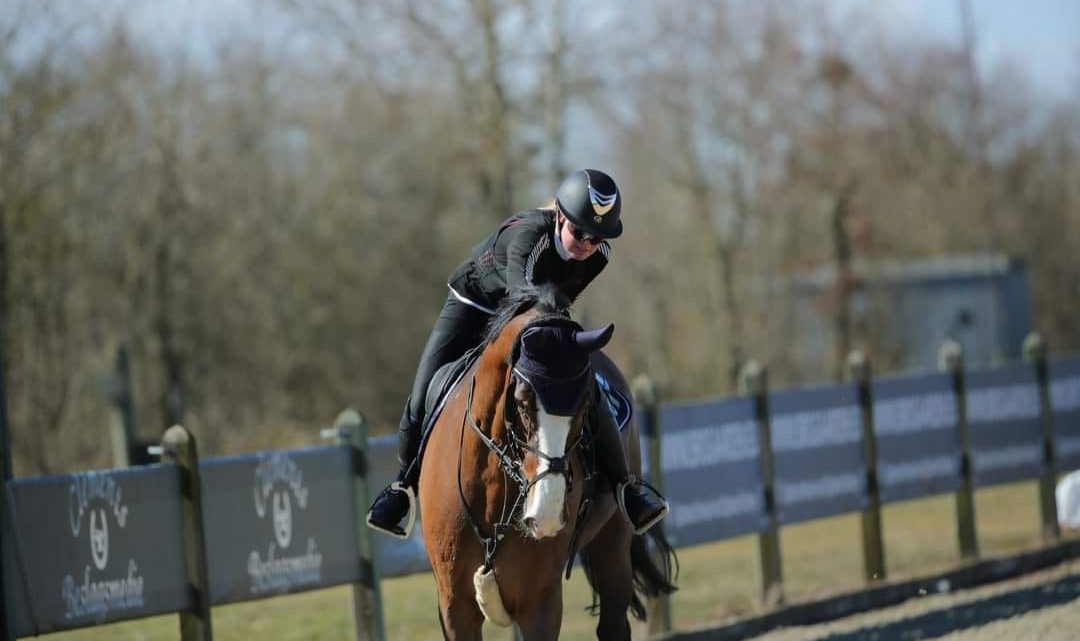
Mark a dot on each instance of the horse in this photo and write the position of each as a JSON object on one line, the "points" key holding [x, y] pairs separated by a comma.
{"points": [[503, 492]]}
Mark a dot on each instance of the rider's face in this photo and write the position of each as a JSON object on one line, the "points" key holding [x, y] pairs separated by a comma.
{"points": [[578, 249]]}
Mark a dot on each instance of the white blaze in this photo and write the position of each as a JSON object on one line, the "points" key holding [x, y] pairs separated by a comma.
{"points": [[544, 504]]}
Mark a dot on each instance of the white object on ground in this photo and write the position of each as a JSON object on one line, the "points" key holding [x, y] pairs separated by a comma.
{"points": [[1068, 500]]}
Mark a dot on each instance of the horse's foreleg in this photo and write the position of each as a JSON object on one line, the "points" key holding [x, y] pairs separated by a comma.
{"points": [[542, 622], [612, 578], [459, 615]]}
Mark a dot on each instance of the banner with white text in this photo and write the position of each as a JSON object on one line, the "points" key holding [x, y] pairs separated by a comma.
{"points": [[93, 548], [712, 471], [279, 522], [918, 437], [1003, 425], [818, 449], [1065, 401]]}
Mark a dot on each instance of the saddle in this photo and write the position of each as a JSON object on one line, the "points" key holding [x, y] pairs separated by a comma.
{"points": [[442, 383]]}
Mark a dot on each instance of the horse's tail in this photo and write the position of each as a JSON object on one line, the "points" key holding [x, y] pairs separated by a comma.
{"points": [[652, 578], [655, 571]]}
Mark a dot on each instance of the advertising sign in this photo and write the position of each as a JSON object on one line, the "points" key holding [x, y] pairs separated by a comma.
{"points": [[818, 449], [1003, 425], [1065, 401], [712, 471], [95, 547], [279, 522], [918, 440]]}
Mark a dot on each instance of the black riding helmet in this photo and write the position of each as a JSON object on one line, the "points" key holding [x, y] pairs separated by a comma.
{"points": [[591, 200]]}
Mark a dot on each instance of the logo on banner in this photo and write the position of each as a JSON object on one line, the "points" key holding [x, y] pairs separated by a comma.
{"points": [[99, 539], [96, 506], [281, 496]]}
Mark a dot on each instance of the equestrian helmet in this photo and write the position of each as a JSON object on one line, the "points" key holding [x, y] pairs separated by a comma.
{"points": [[591, 200]]}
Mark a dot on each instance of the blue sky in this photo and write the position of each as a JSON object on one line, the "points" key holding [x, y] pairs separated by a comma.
{"points": [[1041, 37]]}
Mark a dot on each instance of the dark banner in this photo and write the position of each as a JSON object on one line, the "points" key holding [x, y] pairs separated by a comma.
{"points": [[1003, 425], [95, 547], [818, 448], [1065, 400], [918, 440], [279, 522], [712, 472]]}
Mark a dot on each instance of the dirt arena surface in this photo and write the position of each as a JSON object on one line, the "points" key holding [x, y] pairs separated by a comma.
{"points": [[1043, 605]]}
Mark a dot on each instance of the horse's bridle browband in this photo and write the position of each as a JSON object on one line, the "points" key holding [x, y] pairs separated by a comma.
{"points": [[512, 463]]}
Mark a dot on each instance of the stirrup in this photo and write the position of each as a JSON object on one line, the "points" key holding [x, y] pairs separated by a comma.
{"points": [[620, 498], [396, 486]]}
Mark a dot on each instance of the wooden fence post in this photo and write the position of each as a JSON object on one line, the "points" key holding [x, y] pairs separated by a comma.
{"points": [[873, 549], [350, 429], [178, 446], [1035, 355], [951, 360], [644, 390], [753, 381]]}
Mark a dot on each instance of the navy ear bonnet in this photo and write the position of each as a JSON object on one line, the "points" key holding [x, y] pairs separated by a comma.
{"points": [[554, 361]]}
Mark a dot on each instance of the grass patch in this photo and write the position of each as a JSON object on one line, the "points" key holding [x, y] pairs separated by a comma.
{"points": [[718, 582]]}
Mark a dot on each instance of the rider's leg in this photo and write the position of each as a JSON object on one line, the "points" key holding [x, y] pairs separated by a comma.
{"points": [[458, 329], [642, 504]]}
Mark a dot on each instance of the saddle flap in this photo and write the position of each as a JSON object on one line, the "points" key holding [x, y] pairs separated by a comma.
{"points": [[444, 380]]}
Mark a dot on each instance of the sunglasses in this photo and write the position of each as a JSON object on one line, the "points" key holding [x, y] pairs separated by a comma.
{"points": [[584, 236]]}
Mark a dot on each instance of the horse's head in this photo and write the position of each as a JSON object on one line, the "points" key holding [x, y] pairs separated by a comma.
{"points": [[552, 392]]}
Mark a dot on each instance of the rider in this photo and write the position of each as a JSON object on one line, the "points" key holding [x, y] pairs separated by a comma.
{"points": [[564, 244]]}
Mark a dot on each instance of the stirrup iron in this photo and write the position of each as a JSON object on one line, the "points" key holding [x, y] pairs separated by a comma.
{"points": [[620, 498], [411, 495]]}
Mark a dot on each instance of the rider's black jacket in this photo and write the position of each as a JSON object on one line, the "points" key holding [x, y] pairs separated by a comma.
{"points": [[523, 250]]}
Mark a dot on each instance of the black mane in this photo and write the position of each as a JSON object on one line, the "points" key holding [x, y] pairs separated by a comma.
{"points": [[546, 298]]}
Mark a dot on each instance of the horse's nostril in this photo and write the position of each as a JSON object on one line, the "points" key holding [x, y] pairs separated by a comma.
{"points": [[530, 524]]}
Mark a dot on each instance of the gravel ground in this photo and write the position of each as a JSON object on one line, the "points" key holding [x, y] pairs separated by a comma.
{"points": [[1044, 605]]}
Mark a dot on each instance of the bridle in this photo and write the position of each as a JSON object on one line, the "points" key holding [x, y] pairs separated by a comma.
{"points": [[511, 458]]}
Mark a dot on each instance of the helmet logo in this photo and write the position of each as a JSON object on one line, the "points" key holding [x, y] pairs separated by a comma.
{"points": [[601, 203]]}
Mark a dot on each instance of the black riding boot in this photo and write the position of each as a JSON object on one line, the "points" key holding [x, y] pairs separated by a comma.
{"points": [[398, 501], [641, 503]]}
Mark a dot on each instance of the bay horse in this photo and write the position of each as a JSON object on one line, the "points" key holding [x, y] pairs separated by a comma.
{"points": [[503, 491]]}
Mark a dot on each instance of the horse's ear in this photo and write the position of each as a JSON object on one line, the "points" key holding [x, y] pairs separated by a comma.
{"points": [[534, 340], [594, 339]]}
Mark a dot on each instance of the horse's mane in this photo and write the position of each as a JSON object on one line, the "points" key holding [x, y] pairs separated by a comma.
{"points": [[545, 298]]}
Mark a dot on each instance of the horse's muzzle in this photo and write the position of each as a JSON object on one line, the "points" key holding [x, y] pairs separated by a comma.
{"points": [[535, 531], [545, 506]]}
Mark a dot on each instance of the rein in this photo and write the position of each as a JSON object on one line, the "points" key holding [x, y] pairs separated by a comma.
{"points": [[512, 465]]}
